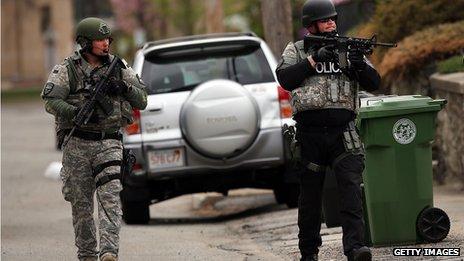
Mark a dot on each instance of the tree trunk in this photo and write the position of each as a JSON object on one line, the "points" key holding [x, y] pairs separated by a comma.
{"points": [[214, 16], [277, 24]]}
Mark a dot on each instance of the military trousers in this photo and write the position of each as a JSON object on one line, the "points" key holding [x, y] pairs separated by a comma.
{"points": [[322, 146], [81, 158]]}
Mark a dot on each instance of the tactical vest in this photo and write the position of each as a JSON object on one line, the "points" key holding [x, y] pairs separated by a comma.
{"points": [[121, 115], [329, 88]]}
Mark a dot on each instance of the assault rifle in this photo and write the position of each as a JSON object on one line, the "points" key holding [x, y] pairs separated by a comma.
{"points": [[344, 44], [98, 96]]}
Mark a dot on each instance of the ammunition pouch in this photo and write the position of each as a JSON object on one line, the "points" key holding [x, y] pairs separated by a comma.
{"points": [[352, 143], [351, 140], [105, 104]]}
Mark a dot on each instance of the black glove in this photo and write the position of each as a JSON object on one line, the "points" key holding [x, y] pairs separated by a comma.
{"points": [[116, 87], [324, 54], [356, 59]]}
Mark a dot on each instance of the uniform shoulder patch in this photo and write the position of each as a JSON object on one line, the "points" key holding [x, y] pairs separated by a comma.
{"points": [[58, 68], [48, 88]]}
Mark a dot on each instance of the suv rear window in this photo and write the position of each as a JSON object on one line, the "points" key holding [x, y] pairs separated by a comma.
{"points": [[183, 69]]}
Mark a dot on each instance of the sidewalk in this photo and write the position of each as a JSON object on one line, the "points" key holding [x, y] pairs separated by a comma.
{"points": [[277, 231]]}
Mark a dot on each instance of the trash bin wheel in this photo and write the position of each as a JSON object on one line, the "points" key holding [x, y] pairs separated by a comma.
{"points": [[433, 225]]}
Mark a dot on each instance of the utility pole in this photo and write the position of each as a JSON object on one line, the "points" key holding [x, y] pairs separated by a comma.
{"points": [[277, 24], [214, 16]]}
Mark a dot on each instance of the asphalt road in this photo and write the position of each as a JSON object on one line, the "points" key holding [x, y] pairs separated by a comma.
{"points": [[277, 232], [36, 221], [247, 225]]}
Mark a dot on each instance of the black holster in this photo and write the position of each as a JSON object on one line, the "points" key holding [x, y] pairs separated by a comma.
{"points": [[128, 161], [292, 146]]}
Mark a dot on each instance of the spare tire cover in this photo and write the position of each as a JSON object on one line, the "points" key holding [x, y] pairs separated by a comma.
{"points": [[220, 119]]}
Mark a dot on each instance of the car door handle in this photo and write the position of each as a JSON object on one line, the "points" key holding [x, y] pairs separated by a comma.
{"points": [[154, 107]]}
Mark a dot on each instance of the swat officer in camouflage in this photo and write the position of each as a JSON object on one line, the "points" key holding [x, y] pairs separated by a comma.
{"points": [[92, 157], [324, 100]]}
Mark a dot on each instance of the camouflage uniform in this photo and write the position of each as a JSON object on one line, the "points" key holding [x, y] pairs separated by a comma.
{"points": [[92, 165]]}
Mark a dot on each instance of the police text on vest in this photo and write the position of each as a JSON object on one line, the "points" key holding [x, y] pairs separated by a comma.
{"points": [[327, 67]]}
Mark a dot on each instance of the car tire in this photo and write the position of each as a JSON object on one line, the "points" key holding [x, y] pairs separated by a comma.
{"points": [[135, 212], [135, 205], [287, 193]]}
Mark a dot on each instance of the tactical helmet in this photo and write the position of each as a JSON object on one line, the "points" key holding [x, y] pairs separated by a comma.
{"points": [[314, 10], [93, 28]]}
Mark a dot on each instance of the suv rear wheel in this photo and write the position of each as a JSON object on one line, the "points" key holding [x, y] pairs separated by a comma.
{"points": [[135, 204], [287, 193], [135, 212]]}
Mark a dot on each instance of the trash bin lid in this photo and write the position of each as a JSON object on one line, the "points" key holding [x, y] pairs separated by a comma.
{"points": [[376, 107]]}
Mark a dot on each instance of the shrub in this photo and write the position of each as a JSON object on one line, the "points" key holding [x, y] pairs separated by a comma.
{"points": [[451, 65], [396, 19], [393, 20], [421, 49]]}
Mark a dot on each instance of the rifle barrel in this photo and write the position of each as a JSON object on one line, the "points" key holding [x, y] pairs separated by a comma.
{"points": [[387, 44], [349, 39]]}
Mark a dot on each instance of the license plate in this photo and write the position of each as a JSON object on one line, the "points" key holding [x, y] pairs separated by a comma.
{"points": [[159, 159]]}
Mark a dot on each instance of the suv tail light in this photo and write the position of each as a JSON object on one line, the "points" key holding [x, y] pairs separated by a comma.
{"points": [[134, 128], [137, 166], [284, 101]]}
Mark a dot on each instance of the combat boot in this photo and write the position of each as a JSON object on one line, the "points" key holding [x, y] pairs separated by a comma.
{"points": [[312, 257], [360, 254], [108, 257], [91, 258]]}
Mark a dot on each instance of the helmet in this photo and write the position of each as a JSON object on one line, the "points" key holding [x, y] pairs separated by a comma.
{"points": [[314, 10], [93, 28]]}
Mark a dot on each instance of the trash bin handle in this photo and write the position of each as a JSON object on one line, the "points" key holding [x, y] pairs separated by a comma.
{"points": [[441, 102], [378, 99]]}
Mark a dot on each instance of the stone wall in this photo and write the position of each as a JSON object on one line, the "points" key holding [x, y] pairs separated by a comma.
{"points": [[449, 143]]}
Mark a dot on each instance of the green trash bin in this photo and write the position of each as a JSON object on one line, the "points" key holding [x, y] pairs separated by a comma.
{"points": [[397, 133]]}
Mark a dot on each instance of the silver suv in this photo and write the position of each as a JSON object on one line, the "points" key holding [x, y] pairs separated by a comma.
{"points": [[213, 122]]}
